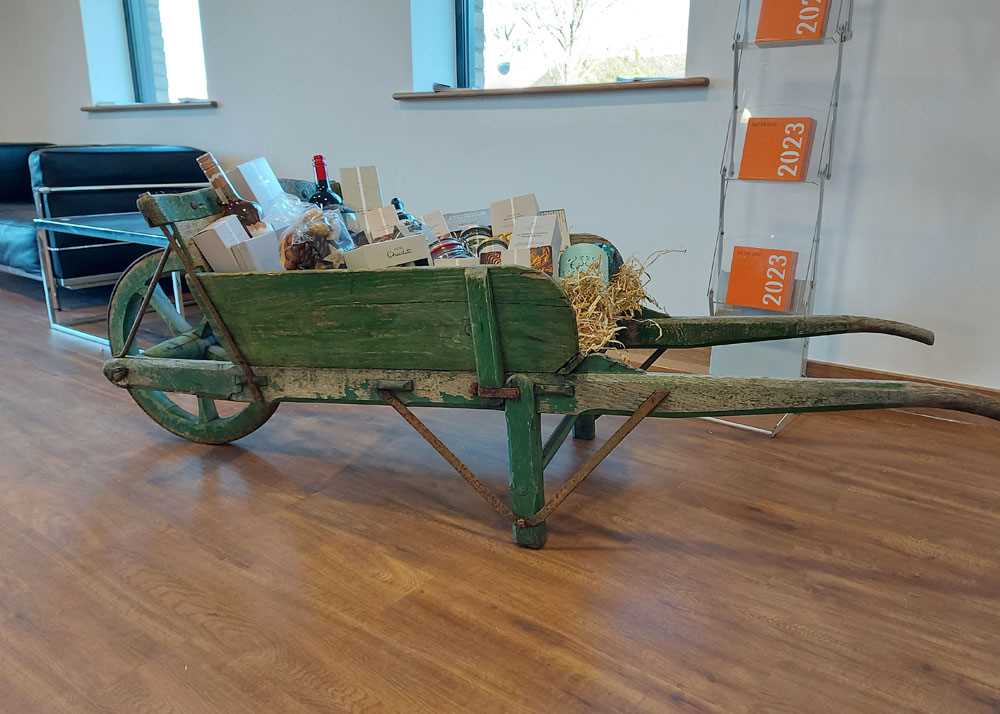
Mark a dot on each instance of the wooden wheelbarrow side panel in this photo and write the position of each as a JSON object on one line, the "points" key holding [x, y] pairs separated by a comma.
{"points": [[728, 330], [391, 319]]}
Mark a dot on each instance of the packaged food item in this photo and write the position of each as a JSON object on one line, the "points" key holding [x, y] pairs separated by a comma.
{"points": [[474, 237], [317, 240], [449, 248], [361, 188], [411, 250], [504, 213], [435, 221], [578, 259], [381, 224]]}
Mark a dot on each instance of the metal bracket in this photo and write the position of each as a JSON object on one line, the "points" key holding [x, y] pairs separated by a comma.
{"points": [[496, 392]]}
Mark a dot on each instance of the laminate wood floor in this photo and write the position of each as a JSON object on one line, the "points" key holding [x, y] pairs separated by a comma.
{"points": [[332, 562]]}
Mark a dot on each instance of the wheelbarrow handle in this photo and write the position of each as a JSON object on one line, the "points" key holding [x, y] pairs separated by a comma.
{"points": [[679, 332]]}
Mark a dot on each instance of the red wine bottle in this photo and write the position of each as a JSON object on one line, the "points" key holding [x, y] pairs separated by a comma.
{"points": [[324, 196], [233, 204]]}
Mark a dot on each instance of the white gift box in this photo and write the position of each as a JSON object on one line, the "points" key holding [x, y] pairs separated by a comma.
{"points": [[388, 254], [215, 243], [255, 181], [361, 187], [503, 214], [261, 254], [456, 263]]}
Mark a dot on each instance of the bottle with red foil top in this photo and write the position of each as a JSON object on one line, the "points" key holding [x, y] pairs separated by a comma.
{"points": [[324, 196], [247, 212]]}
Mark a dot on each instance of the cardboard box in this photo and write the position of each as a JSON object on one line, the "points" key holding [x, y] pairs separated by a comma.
{"points": [[504, 213], [762, 278], [361, 187], [435, 222], [380, 224], [539, 258], [456, 263], [777, 148], [791, 22], [537, 231], [215, 243], [560, 214], [389, 254], [461, 220], [260, 254], [255, 181]]}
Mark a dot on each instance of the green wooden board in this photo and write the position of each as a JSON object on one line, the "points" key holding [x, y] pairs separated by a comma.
{"points": [[409, 318]]}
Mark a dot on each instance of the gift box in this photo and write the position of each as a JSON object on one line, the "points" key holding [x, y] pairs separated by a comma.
{"points": [[255, 181], [215, 243], [361, 188], [260, 254], [389, 254], [456, 262], [380, 224], [503, 214]]}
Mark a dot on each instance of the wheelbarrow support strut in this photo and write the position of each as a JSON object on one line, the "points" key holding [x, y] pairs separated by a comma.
{"points": [[528, 510]]}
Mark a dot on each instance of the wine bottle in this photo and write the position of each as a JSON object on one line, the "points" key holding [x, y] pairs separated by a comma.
{"points": [[324, 196], [413, 223], [233, 204]]}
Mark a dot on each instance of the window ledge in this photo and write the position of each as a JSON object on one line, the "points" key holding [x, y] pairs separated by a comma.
{"points": [[681, 83], [151, 106]]}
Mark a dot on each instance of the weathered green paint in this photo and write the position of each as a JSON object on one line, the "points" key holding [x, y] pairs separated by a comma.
{"points": [[698, 396], [524, 456], [485, 333], [164, 208], [189, 345], [557, 437], [122, 310], [333, 336], [223, 380], [730, 330], [578, 394], [391, 319]]}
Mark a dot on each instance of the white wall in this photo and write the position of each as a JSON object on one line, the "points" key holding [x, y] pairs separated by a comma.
{"points": [[911, 217]]}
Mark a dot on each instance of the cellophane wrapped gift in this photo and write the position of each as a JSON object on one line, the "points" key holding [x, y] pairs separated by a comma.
{"points": [[317, 240]]}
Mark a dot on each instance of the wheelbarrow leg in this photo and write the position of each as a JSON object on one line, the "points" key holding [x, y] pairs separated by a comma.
{"points": [[585, 428], [524, 454]]}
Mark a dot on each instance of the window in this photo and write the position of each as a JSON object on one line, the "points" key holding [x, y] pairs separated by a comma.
{"points": [[144, 51], [168, 60], [525, 43]]}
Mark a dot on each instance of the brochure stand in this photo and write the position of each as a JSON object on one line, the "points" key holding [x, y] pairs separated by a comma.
{"points": [[790, 80]]}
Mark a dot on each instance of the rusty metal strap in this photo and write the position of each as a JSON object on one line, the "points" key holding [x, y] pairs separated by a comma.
{"points": [[645, 409], [481, 488]]}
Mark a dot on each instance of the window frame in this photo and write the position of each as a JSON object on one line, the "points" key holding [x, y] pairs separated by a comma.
{"points": [[140, 54], [463, 44], [465, 63]]}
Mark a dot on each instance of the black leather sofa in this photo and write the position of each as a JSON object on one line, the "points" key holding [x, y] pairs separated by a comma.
{"points": [[18, 247], [79, 261]]}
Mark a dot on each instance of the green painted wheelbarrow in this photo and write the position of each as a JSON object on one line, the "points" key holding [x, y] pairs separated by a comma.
{"points": [[501, 338]]}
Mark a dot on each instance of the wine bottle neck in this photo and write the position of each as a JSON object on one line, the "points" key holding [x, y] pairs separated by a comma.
{"points": [[319, 163], [217, 178]]}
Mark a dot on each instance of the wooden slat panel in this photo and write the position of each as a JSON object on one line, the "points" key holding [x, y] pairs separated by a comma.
{"points": [[391, 319]]}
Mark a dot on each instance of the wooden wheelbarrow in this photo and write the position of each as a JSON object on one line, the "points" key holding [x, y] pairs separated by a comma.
{"points": [[501, 338]]}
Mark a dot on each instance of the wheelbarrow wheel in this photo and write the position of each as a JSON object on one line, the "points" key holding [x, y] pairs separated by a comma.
{"points": [[198, 419]]}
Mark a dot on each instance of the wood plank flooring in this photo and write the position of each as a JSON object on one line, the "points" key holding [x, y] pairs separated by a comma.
{"points": [[331, 562]]}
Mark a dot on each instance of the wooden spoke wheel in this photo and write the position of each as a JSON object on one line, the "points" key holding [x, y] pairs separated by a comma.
{"points": [[199, 419]]}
